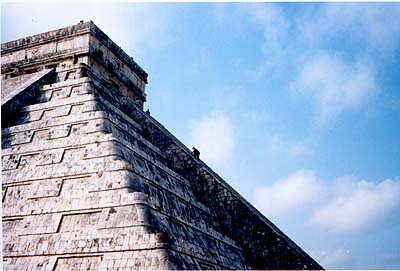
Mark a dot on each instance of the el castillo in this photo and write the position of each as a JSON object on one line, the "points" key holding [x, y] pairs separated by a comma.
{"points": [[90, 181]]}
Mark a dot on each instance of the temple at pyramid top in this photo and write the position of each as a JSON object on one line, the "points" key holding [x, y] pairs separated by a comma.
{"points": [[92, 182], [84, 43]]}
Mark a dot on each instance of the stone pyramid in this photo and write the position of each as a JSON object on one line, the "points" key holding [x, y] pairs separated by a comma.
{"points": [[91, 182]]}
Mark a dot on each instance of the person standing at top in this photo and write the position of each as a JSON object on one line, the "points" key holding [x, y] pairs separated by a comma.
{"points": [[196, 153]]}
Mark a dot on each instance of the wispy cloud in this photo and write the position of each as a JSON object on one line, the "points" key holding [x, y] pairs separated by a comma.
{"points": [[335, 84], [371, 26], [366, 204], [214, 136], [343, 205], [256, 116], [276, 30], [286, 195], [279, 146], [332, 259], [274, 23], [335, 81]]}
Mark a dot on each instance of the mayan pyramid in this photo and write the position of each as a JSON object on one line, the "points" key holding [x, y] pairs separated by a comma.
{"points": [[92, 182]]}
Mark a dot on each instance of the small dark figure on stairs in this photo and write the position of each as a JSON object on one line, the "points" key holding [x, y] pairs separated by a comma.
{"points": [[196, 153]]}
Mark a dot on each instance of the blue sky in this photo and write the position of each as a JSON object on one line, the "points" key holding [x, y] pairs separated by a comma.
{"points": [[296, 105]]}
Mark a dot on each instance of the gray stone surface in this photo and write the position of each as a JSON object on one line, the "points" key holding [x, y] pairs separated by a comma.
{"points": [[11, 87], [91, 182]]}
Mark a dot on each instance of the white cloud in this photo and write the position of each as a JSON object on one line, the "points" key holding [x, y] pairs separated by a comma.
{"points": [[273, 21], [367, 24], [214, 137], [286, 195], [342, 205], [256, 116], [299, 150], [366, 204], [334, 259], [335, 84], [275, 27], [277, 145]]}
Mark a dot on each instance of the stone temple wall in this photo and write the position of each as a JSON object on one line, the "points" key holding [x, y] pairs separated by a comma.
{"points": [[91, 182]]}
